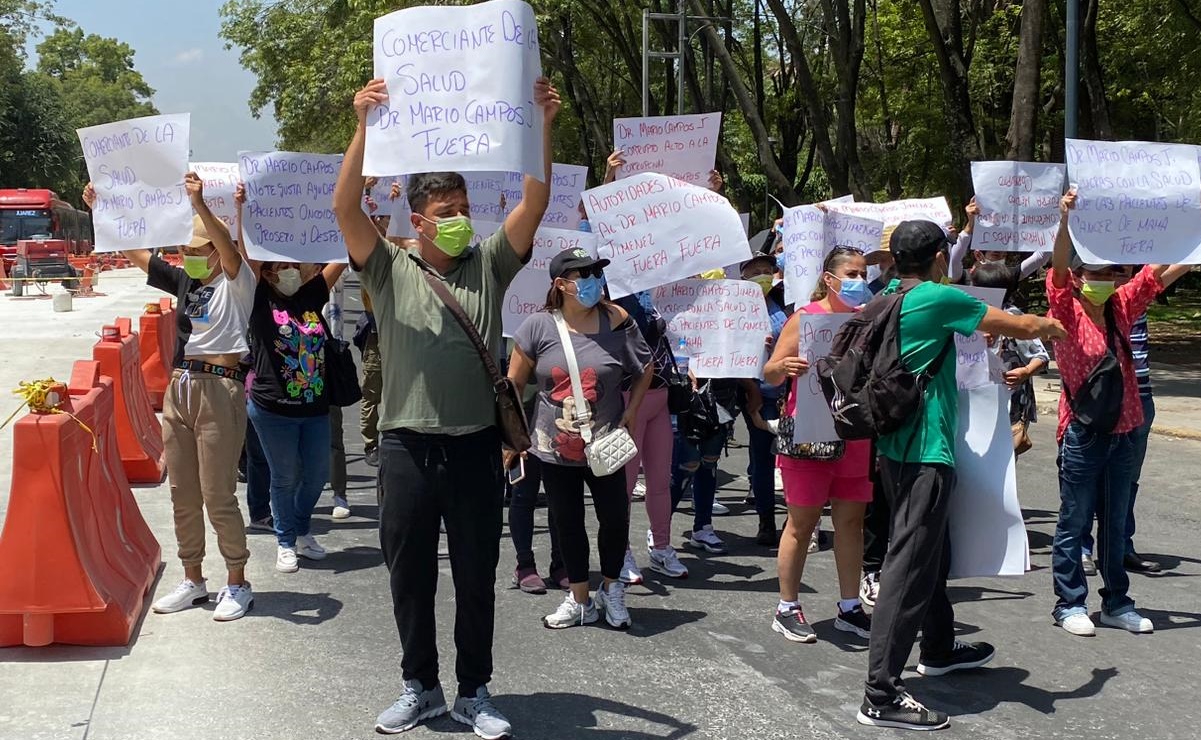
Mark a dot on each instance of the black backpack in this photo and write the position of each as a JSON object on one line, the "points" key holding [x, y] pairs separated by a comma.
{"points": [[870, 391]]}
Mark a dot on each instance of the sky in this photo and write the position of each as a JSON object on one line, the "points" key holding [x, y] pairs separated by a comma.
{"points": [[178, 51]]}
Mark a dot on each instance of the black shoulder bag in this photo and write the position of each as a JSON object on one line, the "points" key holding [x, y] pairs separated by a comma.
{"points": [[1097, 404]]}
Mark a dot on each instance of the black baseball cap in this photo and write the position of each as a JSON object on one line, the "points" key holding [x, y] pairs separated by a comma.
{"points": [[917, 241], [573, 259], [768, 258]]}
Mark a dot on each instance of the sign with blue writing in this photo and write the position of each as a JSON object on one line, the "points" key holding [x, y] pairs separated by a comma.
{"points": [[137, 168], [684, 147], [220, 181], [460, 91], [1019, 205], [810, 234], [288, 215]]}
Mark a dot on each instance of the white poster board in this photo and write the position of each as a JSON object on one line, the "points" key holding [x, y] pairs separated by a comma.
{"points": [[527, 293], [137, 168], [804, 236], [220, 181], [289, 215], [894, 212], [1137, 202], [848, 230], [812, 420], [724, 324], [657, 230], [460, 91], [1019, 205], [684, 147], [973, 367]]}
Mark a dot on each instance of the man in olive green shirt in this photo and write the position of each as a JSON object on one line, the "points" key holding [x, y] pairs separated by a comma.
{"points": [[439, 450]]}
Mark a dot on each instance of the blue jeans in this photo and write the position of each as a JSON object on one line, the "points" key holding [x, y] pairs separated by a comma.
{"points": [[697, 465], [258, 474], [1139, 436], [763, 459], [1094, 477], [297, 449]]}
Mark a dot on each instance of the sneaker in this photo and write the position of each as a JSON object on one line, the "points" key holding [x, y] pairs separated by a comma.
{"points": [[1087, 564], [768, 535], [528, 580], [629, 570], [558, 576], [903, 713], [779, 480], [233, 602], [1130, 621], [186, 594], [1078, 624], [964, 656], [650, 542], [341, 508], [856, 620], [640, 490], [815, 539], [307, 547], [664, 560], [869, 588], [571, 614], [612, 601], [415, 704], [285, 560], [1136, 563], [706, 539], [720, 509], [265, 525], [372, 457], [793, 626], [478, 713]]}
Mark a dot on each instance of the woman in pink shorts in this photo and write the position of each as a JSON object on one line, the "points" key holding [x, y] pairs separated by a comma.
{"points": [[810, 483]]}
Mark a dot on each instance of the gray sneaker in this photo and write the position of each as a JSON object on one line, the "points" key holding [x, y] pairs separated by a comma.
{"points": [[478, 713], [415, 704]]}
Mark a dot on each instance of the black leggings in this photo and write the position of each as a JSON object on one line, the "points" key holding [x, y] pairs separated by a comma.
{"points": [[521, 518], [564, 486]]}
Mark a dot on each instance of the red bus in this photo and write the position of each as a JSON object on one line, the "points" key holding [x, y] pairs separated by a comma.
{"points": [[28, 213]]}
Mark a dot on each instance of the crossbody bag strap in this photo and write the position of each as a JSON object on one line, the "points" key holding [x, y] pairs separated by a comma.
{"points": [[573, 369], [456, 310]]}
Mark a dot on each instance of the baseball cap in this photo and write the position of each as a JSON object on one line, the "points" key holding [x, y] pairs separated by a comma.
{"points": [[770, 259], [1078, 263], [917, 241], [200, 233], [573, 259]]}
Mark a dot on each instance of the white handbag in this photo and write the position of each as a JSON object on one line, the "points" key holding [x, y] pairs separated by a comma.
{"points": [[608, 453]]}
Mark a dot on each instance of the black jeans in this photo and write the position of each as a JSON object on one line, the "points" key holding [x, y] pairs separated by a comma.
{"points": [[565, 494], [877, 523], [913, 590], [521, 518], [425, 479]]}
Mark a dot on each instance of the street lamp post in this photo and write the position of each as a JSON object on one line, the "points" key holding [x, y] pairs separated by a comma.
{"points": [[1071, 72]]}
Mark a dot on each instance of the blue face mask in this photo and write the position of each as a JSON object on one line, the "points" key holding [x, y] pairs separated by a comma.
{"points": [[782, 261], [854, 292], [588, 291], [585, 226]]}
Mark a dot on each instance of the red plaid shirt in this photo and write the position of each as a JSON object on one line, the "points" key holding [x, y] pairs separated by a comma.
{"points": [[1085, 344]]}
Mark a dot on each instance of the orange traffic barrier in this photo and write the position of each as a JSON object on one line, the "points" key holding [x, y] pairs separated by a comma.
{"points": [[76, 556], [139, 434], [156, 342]]}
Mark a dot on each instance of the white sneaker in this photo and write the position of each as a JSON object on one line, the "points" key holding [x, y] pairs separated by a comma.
{"points": [[720, 509], [285, 560], [1079, 625], [779, 480], [640, 490], [629, 570], [869, 588], [664, 560], [706, 539], [571, 614], [650, 542], [341, 508], [307, 547], [233, 602], [815, 541], [612, 601], [1130, 621], [186, 594]]}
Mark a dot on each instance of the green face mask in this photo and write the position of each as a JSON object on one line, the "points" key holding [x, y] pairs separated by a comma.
{"points": [[454, 234], [1097, 292], [196, 267]]}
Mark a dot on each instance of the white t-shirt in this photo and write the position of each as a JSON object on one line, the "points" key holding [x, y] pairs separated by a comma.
{"points": [[212, 318]]}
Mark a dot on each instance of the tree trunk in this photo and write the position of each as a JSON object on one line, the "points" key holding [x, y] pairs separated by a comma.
{"points": [[1023, 121], [946, 36], [845, 29], [1094, 83]]}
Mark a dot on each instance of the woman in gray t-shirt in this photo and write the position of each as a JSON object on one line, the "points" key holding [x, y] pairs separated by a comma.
{"points": [[608, 347]]}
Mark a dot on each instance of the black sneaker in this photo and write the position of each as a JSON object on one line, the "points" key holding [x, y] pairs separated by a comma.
{"points": [[372, 457], [793, 626], [856, 621], [964, 656], [903, 713]]}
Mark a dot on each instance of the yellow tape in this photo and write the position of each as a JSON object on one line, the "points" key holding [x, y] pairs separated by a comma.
{"points": [[38, 397]]}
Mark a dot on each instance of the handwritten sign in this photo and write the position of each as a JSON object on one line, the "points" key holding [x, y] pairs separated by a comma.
{"points": [[684, 147], [812, 420], [804, 235], [460, 91], [137, 167], [1137, 202], [288, 215], [894, 212], [657, 230], [858, 232], [527, 293], [724, 324], [220, 181], [972, 358], [1019, 205]]}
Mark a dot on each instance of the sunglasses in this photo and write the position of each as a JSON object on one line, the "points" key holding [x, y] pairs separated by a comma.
{"points": [[595, 271], [846, 250]]}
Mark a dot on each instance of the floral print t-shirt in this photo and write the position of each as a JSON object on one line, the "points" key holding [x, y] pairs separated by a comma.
{"points": [[287, 339]]}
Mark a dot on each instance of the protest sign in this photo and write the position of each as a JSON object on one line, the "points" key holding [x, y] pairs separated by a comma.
{"points": [[288, 215], [460, 91], [745, 218], [220, 181], [804, 236], [812, 420], [684, 147], [137, 168], [894, 212], [1019, 205], [724, 324], [973, 359], [858, 232], [527, 293], [1137, 202], [657, 230]]}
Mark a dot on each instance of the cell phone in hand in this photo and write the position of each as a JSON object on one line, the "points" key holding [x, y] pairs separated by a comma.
{"points": [[517, 472]]}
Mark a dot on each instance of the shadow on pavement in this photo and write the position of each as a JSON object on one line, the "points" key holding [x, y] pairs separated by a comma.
{"points": [[980, 593], [347, 561], [557, 716], [651, 622], [297, 608], [985, 690], [1165, 619]]}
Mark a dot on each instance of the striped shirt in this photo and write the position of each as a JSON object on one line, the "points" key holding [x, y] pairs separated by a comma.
{"points": [[1140, 350]]}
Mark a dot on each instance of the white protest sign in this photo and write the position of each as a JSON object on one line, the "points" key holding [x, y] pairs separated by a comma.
{"points": [[812, 420], [220, 181], [567, 184], [724, 324], [972, 358], [1137, 202], [746, 222], [460, 91], [137, 168], [894, 212], [381, 191], [289, 215], [527, 293], [847, 230], [804, 235], [1019, 205], [657, 230], [684, 147]]}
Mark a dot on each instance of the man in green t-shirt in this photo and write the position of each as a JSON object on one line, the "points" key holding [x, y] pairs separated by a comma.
{"points": [[917, 470]]}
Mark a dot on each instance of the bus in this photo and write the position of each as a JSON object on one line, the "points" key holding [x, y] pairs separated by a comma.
{"points": [[31, 213]]}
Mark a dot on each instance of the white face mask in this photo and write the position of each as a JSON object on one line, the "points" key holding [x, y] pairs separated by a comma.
{"points": [[287, 281]]}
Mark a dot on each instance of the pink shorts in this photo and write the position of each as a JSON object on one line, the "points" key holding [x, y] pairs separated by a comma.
{"points": [[813, 483]]}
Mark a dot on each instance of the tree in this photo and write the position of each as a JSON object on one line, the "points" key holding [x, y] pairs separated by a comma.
{"points": [[1023, 124], [96, 77]]}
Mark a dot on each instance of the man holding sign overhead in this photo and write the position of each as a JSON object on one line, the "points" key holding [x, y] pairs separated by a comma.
{"points": [[440, 449]]}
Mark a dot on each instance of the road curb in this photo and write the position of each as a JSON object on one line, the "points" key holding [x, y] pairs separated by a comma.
{"points": [[1161, 430]]}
